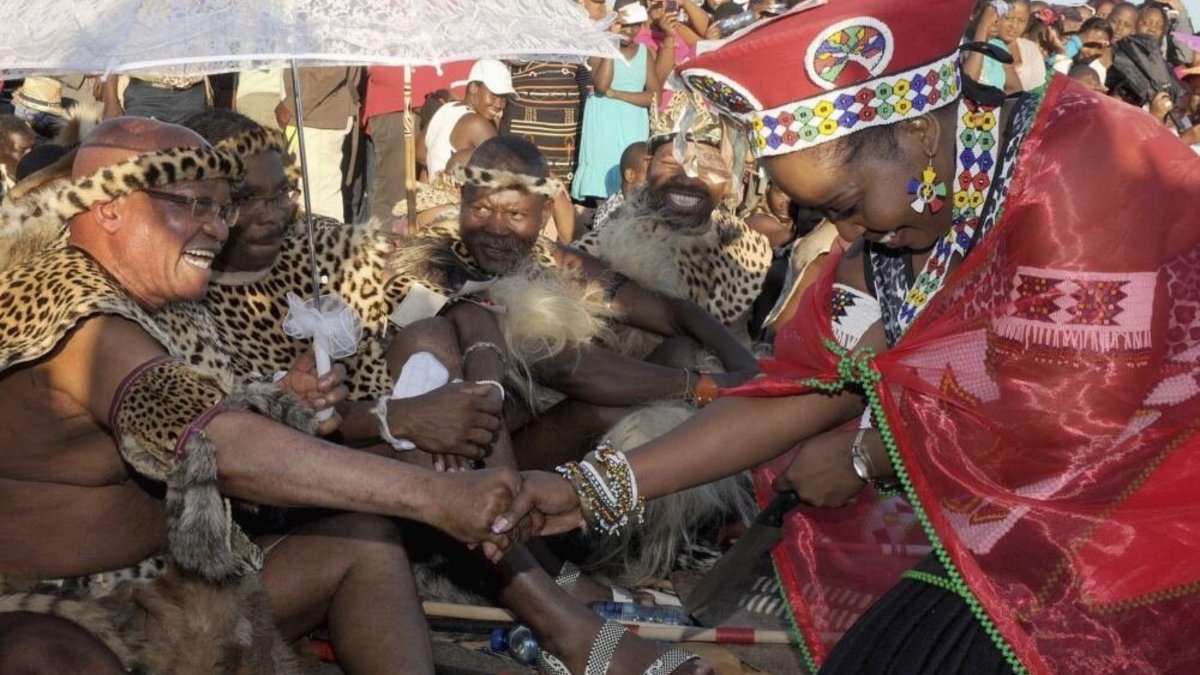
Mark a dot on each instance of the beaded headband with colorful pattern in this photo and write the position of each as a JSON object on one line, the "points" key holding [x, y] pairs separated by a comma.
{"points": [[826, 70]]}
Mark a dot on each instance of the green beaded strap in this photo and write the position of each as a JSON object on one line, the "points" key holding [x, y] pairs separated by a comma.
{"points": [[858, 368]]}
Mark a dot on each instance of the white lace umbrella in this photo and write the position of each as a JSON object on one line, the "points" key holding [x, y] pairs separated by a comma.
{"points": [[211, 36]]}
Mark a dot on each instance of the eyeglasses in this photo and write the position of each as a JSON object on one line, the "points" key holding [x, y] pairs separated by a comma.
{"points": [[280, 200], [201, 208]]}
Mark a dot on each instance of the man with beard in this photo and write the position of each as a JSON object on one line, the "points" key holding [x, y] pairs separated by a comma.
{"points": [[674, 234], [460, 127], [556, 300]]}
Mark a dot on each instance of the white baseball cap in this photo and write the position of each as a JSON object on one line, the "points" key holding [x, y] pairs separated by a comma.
{"points": [[493, 74], [633, 13]]}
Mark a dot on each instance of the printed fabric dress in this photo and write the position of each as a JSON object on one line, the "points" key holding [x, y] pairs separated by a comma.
{"points": [[610, 126]]}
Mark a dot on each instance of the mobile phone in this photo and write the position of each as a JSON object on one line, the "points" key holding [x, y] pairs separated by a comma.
{"points": [[671, 6]]}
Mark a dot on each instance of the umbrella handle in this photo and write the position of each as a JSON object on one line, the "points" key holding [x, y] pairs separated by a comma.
{"points": [[324, 365]]}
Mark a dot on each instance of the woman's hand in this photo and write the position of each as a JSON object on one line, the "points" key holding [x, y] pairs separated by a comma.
{"points": [[821, 472]]}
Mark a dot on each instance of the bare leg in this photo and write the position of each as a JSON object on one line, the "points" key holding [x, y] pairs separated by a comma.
{"points": [[564, 626], [36, 644], [564, 433], [350, 572]]}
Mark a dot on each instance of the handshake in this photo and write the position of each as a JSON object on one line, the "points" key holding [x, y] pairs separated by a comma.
{"points": [[496, 509]]}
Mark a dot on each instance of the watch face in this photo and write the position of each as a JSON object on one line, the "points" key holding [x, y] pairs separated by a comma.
{"points": [[860, 467]]}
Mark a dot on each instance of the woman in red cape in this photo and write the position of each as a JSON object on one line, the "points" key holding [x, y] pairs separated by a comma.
{"points": [[1020, 319]]}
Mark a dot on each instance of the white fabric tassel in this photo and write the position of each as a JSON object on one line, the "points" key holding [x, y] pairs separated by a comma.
{"points": [[334, 329]]}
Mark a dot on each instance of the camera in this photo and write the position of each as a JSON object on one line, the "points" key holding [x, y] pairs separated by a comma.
{"points": [[671, 6]]}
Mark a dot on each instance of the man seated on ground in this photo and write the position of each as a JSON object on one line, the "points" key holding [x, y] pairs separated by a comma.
{"points": [[556, 300], [108, 410], [633, 175], [265, 259], [461, 127]]}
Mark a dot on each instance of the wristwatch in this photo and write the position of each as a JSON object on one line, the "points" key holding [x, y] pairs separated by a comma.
{"points": [[859, 458], [864, 468]]}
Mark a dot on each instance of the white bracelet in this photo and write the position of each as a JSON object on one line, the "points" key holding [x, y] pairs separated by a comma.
{"points": [[385, 432], [496, 385]]}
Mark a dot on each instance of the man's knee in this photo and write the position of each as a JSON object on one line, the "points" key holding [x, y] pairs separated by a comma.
{"points": [[680, 351], [436, 336], [361, 527], [37, 644]]}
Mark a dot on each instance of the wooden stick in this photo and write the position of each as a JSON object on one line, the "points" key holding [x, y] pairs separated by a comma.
{"points": [[410, 152], [651, 631]]}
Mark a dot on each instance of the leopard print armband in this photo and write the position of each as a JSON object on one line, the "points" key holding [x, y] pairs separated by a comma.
{"points": [[158, 417], [158, 408]]}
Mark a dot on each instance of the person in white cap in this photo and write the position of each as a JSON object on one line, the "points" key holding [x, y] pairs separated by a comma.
{"points": [[460, 127]]}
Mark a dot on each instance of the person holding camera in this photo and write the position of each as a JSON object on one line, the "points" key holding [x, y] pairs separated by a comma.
{"points": [[1159, 20]]}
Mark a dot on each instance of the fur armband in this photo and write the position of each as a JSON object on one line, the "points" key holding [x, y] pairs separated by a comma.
{"points": [[158, 418]]}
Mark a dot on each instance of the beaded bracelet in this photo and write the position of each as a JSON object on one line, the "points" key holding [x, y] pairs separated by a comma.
{"points": [[380, 410], [492, 346], [706, 391], [607, 489]]}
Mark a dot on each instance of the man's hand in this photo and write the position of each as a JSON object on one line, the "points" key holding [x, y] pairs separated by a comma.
{"points": [[549, 500], [821, 472], [318, 393], [461, 418], [475, 508]]}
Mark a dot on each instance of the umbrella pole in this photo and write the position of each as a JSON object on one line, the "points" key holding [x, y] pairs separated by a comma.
{"points": [[324, 363], [410, 152]]}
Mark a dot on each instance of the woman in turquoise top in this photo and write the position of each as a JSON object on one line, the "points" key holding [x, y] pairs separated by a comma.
{"points": [[618, 113]]}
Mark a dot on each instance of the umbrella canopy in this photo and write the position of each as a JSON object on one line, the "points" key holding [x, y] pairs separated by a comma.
{"points": [[211, 36]]}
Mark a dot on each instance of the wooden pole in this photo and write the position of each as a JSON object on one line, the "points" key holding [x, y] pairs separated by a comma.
{"points": [[650, 631], [410, 152]]}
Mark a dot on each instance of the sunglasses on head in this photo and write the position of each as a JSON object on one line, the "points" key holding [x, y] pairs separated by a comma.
{"points": [[1097, 45]]}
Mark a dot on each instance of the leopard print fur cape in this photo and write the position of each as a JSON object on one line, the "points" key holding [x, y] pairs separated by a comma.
{"points": [[249, 313]]}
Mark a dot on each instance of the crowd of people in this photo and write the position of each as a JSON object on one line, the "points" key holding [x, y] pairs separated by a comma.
{"points": [[975, 310]]}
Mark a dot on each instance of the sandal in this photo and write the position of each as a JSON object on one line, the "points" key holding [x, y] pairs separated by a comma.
{"points": [[604, 647], [568, 576]]}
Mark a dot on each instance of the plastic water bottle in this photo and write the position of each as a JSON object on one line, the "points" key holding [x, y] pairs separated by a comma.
{"points": [[633, 612], [518, 642]]}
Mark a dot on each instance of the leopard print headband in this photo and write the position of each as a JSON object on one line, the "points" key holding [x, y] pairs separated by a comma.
{"points": [[498, 179], [149, 170], [250, 143]]}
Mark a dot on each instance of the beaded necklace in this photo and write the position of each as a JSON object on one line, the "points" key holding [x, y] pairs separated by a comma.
{"points": [[977, 131]]}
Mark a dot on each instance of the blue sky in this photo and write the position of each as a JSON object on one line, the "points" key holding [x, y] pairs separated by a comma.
{"points": [[1193, 7]]}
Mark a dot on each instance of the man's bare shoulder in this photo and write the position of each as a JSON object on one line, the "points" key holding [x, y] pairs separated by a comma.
{"points": [[97, 356]]}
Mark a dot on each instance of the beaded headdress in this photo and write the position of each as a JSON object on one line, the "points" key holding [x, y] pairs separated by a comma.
{"points": [[826, 70], [685, 110]]}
